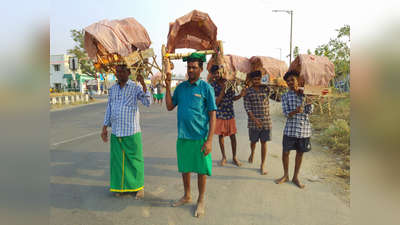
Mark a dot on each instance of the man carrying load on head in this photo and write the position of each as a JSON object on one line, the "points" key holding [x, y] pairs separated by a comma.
{"points": [[122, 114], [195, 99], [225, 122]]}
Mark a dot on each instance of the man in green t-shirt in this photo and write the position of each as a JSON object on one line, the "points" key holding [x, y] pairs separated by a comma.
{"points": [[195, 99]]}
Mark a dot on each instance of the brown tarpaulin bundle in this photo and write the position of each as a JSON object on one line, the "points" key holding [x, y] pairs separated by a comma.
{"points": [[116, 36], [232, 63], [316, 70], [194, 30], [273, 67]]}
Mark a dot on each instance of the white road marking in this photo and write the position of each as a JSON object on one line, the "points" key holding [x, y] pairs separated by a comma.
{"points": [[62, 142]]}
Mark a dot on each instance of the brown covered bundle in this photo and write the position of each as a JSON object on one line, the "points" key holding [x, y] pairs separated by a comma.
{"points": [[275, 69], [109, 42], [194, 30], [314, 70]]}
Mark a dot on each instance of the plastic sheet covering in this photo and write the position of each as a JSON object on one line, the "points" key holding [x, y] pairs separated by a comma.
{"points": [[156, 77], [315, 70], [233, 63], [194, 30], [116, 36], [273, 67]]}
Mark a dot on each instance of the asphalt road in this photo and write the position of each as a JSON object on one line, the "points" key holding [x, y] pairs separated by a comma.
{"points": [[79, 176]]}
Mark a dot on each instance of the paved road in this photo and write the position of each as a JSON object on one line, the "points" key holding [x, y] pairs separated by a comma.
{"points": [[79, 177]]}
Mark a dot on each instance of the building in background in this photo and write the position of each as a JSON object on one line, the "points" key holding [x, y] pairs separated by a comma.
{"points": [[61, 77]]}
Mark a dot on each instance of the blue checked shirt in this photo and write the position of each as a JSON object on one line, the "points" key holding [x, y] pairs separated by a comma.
{"points": [[298, 125], [122, 112]]}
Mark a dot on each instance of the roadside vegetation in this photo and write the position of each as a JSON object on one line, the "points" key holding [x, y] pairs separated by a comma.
{"points": [[68, 94], [333, 132]]}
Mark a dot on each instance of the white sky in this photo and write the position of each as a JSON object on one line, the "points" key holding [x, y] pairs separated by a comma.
{"points": [[248, 28]]}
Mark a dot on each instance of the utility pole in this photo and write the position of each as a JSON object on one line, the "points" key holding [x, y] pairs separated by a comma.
{"points": [[291, 27]]}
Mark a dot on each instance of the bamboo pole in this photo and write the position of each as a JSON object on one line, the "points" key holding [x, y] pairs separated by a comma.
{"points": [[181, 55]]}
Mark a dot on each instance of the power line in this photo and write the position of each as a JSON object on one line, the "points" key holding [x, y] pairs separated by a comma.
{"points": [[272, 4]]}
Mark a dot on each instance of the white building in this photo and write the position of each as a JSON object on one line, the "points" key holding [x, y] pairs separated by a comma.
{"points": [[59, 65]]}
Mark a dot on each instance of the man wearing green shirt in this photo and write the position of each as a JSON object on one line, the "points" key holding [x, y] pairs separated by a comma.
{"points": [[196, 124]]}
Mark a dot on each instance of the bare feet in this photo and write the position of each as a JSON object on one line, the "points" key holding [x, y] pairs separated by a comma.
{"points": [[282, 180], [200, 209], [140, 194], [222, 162], [118, 193], [298, 183], [239, 164], [251, 158], [263, 171], [182, 201]]}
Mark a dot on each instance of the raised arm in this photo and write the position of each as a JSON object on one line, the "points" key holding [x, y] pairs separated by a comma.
{"points": [[242, 94], [143, 95], [221, 94], [168, 97]]}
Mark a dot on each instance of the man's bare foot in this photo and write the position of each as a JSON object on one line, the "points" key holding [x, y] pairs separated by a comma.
{"points": [[140, 194], [298, 183], [282, 180], [239, 164], [222, 162], [200, 209], [118, 193], [263, 171], [182, 201], [251, 158]]}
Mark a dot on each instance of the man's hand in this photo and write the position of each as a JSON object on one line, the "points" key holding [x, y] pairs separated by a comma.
{"points": [[224, 85], [140, 78], [206, 147], [299, 109], [104, 134], [168, 81], [258, 122], [243, 92]]}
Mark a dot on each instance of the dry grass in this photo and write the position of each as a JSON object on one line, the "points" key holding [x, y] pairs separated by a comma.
{"points": [[334, 131], [65, 94]]}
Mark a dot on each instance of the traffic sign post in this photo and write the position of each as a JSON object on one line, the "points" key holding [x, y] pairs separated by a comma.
{"points": [[73, 66]]}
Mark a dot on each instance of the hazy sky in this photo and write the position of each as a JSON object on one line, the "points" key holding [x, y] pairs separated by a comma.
{"points": [[248, 28]]}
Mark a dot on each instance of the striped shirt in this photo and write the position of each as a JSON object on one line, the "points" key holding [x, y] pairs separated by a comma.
{"points": [[298, 125], [122, 112], [258, 104]]}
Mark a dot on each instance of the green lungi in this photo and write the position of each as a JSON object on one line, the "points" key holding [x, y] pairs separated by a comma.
{"points": [[160, 96], [191, 158], [126, 163]]}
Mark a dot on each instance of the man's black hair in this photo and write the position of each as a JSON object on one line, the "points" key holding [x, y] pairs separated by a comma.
{"points": [[291, 73], [125, 66], [256, 73], [199, 61], [213, 68]]}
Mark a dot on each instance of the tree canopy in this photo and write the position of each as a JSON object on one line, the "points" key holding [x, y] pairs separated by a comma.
{"points": [[338, 51], [86, 64]]}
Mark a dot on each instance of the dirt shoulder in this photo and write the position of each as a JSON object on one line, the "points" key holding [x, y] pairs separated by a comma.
{"points": [[323, 164]]}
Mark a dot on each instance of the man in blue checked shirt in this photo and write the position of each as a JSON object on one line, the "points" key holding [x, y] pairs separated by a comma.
{"points": [[296, 135], [122, 114]]}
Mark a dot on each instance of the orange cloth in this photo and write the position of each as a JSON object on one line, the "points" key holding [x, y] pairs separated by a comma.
{"points": [[225, 127]]}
